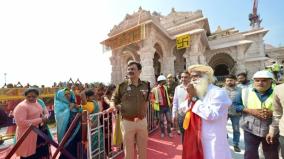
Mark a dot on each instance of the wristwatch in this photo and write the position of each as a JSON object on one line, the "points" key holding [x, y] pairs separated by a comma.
{"points": [[194, 99]]}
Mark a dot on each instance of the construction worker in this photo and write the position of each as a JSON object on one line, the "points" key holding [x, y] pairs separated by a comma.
{"points": [[161, 103], [255, 103], [275, 69]]}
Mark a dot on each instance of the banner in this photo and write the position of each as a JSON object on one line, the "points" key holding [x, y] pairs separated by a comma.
{"points": [[125, 38], [183, 41]]}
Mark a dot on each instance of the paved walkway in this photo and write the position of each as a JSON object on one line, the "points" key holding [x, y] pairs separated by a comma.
{"points": [[166, 148], [171, 148]]}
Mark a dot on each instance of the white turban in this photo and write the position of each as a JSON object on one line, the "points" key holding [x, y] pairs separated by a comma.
{"points": [[203, 69]]}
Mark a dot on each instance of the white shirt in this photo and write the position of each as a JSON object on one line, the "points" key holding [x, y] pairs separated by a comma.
{"points": [[179, 97], [213, 110]]}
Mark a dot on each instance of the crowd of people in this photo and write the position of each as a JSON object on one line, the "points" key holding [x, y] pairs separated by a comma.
{"points": [[68, 101], [192, 105], [60, 84], [202, 110]]}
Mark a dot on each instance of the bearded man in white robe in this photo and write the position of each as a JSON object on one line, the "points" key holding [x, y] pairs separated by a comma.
{"points": [[211, 105]]}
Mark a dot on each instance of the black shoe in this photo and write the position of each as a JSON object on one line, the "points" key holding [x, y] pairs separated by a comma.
{"points": [[237, 149]]}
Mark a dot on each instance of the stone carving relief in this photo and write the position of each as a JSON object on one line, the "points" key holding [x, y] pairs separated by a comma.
{"points": [[146, 56], [130, 21], [162, 30], [227, 51], [116, 69], [176, 18]]}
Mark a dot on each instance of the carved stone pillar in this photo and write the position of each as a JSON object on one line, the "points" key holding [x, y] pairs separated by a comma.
{"points": [[195, 54], [146, 56], [240, 67], [201, 59], [116, 69], [201, 48], [187, 59], [261, 45], [169, 65], [241, 59]]}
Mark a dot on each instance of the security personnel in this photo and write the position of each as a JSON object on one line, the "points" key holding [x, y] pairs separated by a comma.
{"points": [[276, 69], [161, 103], [256, 105], [131, 99]]}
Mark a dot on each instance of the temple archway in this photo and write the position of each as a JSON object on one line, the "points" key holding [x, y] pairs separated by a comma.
{"points": [[222, 64], [221, 70], [180, 61], [128, 53], [157, 60]]}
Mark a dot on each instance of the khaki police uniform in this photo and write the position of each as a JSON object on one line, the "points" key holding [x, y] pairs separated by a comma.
{"points": [[132, 103]]}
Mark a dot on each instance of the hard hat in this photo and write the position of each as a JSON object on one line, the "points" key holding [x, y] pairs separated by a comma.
{"points": [[263, 74], [161, 78]]}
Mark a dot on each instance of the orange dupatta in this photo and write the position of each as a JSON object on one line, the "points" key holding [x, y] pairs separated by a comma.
{"points": [[192, 145]]}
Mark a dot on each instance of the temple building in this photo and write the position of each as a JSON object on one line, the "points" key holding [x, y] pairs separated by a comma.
{"points": [[171, 43]]}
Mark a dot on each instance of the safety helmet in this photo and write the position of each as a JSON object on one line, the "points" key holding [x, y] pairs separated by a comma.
{"points": [[161, 78], [263, 74]]}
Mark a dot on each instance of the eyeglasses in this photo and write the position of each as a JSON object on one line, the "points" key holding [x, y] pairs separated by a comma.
{"points": [[195, 76]]}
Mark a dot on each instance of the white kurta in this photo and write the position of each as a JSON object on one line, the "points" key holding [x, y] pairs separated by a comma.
{"points": [[213, 110]]}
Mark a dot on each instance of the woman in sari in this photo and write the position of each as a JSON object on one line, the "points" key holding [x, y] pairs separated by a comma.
{"points": [[30, 112], [46, 115], [97, 140], [65, 110]]}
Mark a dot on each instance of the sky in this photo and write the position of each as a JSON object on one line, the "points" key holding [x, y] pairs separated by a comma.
{"points": [[42, 42]]}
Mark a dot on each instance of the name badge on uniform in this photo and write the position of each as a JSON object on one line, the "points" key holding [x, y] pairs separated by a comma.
{"points": [[128, 88], [144, 92]]}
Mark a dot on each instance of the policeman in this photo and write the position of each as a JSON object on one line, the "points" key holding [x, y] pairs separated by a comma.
{"points": [[131, 99]]}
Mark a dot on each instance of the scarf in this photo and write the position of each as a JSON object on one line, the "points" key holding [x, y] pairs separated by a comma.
{"points": [[192, 145]]}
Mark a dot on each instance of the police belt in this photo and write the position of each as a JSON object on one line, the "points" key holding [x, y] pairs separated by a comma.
{"points": [[133, 118]]}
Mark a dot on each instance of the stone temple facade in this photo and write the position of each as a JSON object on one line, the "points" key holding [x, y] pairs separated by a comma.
{"points": [[227, 51]]}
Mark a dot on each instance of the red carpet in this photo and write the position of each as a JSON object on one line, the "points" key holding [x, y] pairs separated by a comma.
{"points": [[163, 148], [158, 148]]}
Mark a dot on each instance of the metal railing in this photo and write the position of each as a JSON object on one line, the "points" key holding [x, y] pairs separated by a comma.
{"points": [[101, 128], [96, 132], [96, 136], [42, 135], [60, 147]]}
